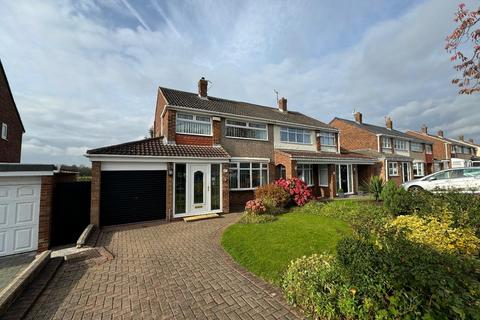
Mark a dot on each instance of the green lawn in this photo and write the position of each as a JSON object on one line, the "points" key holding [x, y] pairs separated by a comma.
{"points": [[266, 249]]}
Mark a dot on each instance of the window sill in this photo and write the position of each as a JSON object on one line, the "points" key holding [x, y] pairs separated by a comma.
{"points": [[194, 134], [261, 140], [323, 185], [243, 189], [300, 143], [393, 175]]}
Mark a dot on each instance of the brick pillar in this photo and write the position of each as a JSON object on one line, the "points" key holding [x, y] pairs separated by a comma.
{"points": [[95, 193], [291, 169], [225, 187], [332, 180], [44, 222], [319, 144], [171, 125], [169, 200], [217, 130]]}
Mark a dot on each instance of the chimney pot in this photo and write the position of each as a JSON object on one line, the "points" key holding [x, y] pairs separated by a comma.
{"points": [[358, 117], [202, 87], [462, 138], [425, 129], [282, 104], [389, 123], [440, 133]]}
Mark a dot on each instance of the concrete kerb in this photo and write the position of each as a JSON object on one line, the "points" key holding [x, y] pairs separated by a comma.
{"points": [[21, 281]]}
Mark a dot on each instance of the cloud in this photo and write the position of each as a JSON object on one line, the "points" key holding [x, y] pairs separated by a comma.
{"points": [[85, 73]]}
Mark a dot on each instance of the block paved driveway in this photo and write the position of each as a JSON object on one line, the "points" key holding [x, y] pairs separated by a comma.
{"points": [[164, 271]]}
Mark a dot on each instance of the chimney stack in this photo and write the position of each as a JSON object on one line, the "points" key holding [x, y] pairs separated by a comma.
{"points": [[440, 133], [471, 140], [358, 117], [282, 104], [425, 129], [202, 87], [461, 138], [389, 123]]}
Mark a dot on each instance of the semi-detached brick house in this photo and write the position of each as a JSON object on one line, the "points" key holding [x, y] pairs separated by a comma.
{"points": [[11, 127], [209, 154], [447, 153], [400, 157]]}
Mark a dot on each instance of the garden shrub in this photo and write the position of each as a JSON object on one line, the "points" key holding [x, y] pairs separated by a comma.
{"points": [[396, 200], [299, 192], [438, 233], [255, 218], [389, 278], [274, 197], [375, 187], [255, 207]]}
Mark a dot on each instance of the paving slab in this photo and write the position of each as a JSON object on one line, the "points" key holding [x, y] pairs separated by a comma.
{"points": [[12, 265]]}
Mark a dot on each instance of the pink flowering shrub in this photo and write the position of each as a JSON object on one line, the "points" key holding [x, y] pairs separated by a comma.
{"points": [[298, 190], [255, 207]]}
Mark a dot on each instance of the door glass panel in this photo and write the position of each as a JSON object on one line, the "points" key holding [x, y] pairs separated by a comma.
{"points": [[198, 187], [180, 187], [215, 183], [344, 178]]}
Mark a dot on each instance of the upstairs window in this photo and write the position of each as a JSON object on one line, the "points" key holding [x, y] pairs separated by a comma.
{"points": [[295, 135], [328, 142], [428, 148], [386, 143], [4, 131], [417, 147], [466, 150], [246, 130], [401, 145], [194, 124]]}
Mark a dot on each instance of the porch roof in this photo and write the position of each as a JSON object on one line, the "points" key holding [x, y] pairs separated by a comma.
{"points": [[327, 157], [155, 147]]}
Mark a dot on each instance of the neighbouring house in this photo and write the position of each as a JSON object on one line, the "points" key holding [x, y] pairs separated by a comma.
{"points": [[209, 154], [11, 127], [447, 153], [399, 157]]}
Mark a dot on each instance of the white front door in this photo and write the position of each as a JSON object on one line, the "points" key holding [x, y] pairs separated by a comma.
{"points": [[19, 215], [199, 188]]}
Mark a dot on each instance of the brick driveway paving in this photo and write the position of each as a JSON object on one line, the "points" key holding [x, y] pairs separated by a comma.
{"points": [[162, 271]]}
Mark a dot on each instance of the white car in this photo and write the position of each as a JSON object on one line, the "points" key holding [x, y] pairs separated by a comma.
{"points": [[463, 180]]}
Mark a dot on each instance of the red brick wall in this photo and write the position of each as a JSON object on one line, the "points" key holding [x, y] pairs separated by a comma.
{"points": [[161, 102], [95, 193], [239, 198], [169, 193], [217, 131], [44, 222], [352, 137], [285, 160], [10, 149], [193, 139], [225, 188]]}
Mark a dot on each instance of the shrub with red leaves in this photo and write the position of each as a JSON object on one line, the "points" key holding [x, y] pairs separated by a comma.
{"points": [[255, 207], [298, 190]]}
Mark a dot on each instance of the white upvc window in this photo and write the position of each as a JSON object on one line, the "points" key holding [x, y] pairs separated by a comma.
{"points": [[295, 135], [400, 145], [418, 169], [193, 124], [428, 148], [246, 130], [392, 168], [4, 131], [386, 143], [304, 172], [323, 175], [417, 147], [328, 142], [248, 175], [466, 150]]}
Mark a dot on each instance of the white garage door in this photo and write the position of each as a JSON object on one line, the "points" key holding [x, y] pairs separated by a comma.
{"points": [[19, 214]]}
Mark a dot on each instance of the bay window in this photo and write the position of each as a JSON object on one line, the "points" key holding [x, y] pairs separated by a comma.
{"points": [[328, 142], [193, 124], [418, 169], [246, 130], [295, 135], [304, 172], [248, 175]]}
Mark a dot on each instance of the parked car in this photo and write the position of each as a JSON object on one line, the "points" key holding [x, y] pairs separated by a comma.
{"points": [[464, 180]]}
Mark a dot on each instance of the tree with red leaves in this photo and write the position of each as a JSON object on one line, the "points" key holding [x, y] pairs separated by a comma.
{"points": [[468, 61]]}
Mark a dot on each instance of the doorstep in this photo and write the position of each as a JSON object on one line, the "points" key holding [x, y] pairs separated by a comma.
{"points": [[201, 217]]}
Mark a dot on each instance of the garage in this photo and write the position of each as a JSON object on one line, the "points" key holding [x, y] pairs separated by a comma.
{"points": [[132, 196]]}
